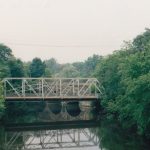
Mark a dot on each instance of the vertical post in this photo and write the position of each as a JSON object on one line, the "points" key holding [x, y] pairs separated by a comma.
{"points": [[60, 86], [73, 84], [78, 137], [78, 87], [39, 87], [23, 88], [61, 133], [74, 135], [5, 88], [57, 137], [43, 88], [56, 88], [95, 88]]}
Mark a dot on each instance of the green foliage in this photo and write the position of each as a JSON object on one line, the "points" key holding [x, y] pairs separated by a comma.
{"points": [[142, 41], [114, 137], [5, 53], [68, 71], [90, 65], [48, 73], [52, 66], [4, 70], [2, 107], [125, 75], [87, 68], [16, 68], [37, 68]]}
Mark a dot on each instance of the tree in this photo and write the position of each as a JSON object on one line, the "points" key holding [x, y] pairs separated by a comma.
{"points": [[4, 70], [68, 71], [37, 68], [91, 63], [125, 75], [87, 68], [5, 53], [52, 66], [142, 40], [2, 107], [16, 68]]}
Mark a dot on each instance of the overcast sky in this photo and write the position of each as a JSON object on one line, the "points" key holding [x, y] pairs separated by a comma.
{"points": [[70, 30]]}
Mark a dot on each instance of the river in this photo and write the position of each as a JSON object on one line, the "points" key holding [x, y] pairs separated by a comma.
{"points": [[67, 126]]}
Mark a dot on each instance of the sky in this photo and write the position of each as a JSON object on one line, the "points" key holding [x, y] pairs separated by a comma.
{"points": [[70, 30]]}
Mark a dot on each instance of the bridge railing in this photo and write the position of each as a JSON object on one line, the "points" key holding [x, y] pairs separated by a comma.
{"points": [[51, 88]]}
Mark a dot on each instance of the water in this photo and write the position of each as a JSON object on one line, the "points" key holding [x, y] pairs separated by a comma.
{"points": [[74, 126]]}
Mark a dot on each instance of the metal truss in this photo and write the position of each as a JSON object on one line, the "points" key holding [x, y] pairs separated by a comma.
{"points": [[50, 139], [51, 88]]}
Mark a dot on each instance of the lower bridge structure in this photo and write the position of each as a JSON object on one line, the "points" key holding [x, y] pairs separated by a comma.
{"points": [[51, 88], [50, 139]]}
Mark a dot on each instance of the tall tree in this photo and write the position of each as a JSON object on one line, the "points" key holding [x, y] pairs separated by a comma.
{"points": [[52, 66], [37, 68], [68, 71], [142, 41], [87, 68], [125, 75], [16, 68], [5, 53]]}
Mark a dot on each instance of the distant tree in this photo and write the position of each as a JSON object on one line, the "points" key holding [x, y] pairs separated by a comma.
{"points": [[47, 72], [80, 67], [16, 68], [68, 71], [27, 68], [37, 68], [91, 63], [87, 68], [142, 41], [5, 53], [4, 70], [52, 66]]}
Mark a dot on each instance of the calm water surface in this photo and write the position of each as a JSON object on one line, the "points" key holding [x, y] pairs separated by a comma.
{"points": [[72, 126]]}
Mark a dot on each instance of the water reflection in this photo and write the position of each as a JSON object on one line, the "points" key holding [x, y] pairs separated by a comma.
{"points": [[52, 126], [49, 112], [50, 139]]}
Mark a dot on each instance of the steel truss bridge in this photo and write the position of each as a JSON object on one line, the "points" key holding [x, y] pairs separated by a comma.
{"points": [[50, 139], [51, 88]]}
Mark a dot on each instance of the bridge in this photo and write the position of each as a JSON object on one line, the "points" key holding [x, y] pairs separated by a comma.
{"points": [[51, 88]]}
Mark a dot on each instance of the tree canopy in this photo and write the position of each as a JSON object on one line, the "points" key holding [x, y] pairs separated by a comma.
{"points": [[37, 68], [125, 76]]}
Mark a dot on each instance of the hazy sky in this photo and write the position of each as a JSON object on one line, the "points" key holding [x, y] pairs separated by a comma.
{"points": [[70, 30]]}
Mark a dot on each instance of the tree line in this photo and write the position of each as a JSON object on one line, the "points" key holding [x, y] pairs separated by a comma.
{"points": [[124, 76]]}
